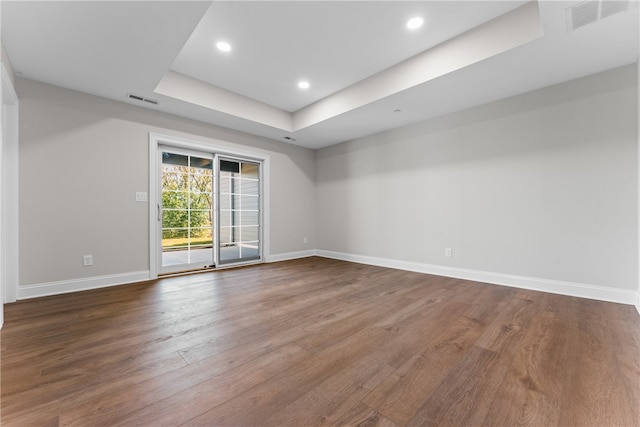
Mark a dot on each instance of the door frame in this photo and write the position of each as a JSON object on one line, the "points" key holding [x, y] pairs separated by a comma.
{"points": [[218, 148], [9, 213]]}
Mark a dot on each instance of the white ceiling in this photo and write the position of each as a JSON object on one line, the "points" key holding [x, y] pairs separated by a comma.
{"points": [[361, 61], [331, 44]]}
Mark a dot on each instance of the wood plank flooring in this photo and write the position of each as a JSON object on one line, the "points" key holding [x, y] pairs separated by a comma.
{"points": [[319, 342]]}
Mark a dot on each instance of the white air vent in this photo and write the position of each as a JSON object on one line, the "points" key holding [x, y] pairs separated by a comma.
{"points": [[590, 11], [143, 99]]}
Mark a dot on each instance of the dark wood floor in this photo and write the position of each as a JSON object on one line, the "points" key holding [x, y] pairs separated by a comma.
{"points": [[318, 342]]}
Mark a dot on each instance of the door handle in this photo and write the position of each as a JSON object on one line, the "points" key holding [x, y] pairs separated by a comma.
{"points": [[159, 214]]}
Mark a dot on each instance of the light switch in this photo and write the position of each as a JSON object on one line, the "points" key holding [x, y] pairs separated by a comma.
{"points": [[141, 196]]}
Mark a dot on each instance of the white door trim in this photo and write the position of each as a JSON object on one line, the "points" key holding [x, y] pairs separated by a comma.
{"points": [[9, 243], [9, 235], [218, 148]]}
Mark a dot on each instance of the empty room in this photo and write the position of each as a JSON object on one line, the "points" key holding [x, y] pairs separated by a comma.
{"points": [[320, 213]]}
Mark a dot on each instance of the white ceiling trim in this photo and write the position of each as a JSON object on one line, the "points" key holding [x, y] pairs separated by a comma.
{"points": [[499, 35], [194, 91]]}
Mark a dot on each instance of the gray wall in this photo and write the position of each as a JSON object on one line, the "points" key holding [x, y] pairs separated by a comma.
{"points": [[83, 158], [542, 185]]}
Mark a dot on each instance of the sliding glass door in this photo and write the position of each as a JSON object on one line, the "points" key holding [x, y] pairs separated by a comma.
{"points": [[209, 212], [239, 213], [186, 211]]}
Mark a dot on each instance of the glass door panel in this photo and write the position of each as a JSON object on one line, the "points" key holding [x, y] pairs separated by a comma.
{"points": [[239, 211], [186, 211]]}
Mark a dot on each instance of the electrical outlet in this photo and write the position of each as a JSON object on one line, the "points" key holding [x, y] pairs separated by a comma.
{"points": [[448, 253], [87, 260], [305, 240]]}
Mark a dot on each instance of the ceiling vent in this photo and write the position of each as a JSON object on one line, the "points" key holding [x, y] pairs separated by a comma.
{"points": [[590, 11], [143, 99]]}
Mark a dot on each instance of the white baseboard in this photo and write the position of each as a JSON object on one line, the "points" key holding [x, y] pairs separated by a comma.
{"points": [[601, 293], [291, 255], [75, 285]]}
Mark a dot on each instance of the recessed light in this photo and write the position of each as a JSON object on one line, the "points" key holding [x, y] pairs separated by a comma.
{"points": [[304, 84], [415, 23], [223, 46]]}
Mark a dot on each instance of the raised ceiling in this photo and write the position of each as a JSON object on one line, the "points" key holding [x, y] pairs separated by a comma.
{"points": [[331, 44], [367, 71]]}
